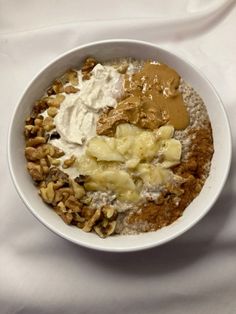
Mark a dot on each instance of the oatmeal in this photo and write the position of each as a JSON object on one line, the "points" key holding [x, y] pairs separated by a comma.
{"points": [[121, 147]]}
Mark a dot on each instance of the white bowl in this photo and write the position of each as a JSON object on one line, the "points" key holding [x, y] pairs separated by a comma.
{"points": [[104, 50]]}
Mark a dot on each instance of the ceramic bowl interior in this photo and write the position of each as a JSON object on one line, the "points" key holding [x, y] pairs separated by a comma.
{"points": [[103, 51]]}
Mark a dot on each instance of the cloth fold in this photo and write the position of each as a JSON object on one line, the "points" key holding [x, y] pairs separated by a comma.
{"points": [[42, 273]]}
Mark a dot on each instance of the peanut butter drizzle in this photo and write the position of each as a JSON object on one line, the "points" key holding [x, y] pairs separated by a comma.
{"points": [[151, 99]]}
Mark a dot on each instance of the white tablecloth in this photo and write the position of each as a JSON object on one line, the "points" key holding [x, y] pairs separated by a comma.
{"points": [[42, 273]]}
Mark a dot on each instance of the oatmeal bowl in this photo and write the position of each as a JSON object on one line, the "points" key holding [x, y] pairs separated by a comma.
{"points": [[119, 146]]}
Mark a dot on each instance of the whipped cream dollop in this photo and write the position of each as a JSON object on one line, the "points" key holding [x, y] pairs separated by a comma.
{"points": [[76, 119]]}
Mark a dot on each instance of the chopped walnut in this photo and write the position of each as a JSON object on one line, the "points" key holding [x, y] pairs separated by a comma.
{"points": [[52, 111], [47, 193], [109, 212], [35, 129], [42, 151], [71, 89], [87, 212], [55, 101], [35, 171], [56, 88], [44, 165], [58, 152], [49, 149], [31, 153], [71, 76], [41, 132], [58, 197], [87, 67], [92, 221], [61, 211], [31, 131], [86, 200], [40, 106], [56, 174], [53, 161], [105, 229], [73, 204], [38, 120], [107, 223], [29, 120], [59, 184], [69, 162], [62, 194], [122, 69], [48, 124], [38, 140], [78, 189], [46, 150], [78, 218]]}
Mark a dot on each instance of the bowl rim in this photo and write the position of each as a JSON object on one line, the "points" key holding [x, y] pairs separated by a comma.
{"points": [[84, 243]]}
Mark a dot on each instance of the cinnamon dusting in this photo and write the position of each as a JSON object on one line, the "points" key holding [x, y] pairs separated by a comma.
{"points": [[194, 171]]}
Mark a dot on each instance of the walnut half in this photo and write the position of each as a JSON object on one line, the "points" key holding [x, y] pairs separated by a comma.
{"points": [[87, 67], [105, 230]]}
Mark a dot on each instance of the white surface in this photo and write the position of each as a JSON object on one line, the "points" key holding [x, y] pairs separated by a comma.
{"points": [[105, 50], [40, 272]]}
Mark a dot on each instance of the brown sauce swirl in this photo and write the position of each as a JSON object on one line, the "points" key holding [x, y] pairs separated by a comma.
{"points": [[151, 99]]}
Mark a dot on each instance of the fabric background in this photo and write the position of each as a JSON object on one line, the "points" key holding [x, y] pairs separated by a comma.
{"points": [[42, 273]]}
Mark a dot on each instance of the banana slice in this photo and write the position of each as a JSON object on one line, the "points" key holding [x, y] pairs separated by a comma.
{"points": [[126, 129], [153, 175], [171, 149], [165, 132], [169, 164], [104, 148], [86, 165], [118, 181], [145, 146], [124, 145]]}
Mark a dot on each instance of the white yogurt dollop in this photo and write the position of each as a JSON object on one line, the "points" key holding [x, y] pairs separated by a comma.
{"points": [[76, 119]]}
